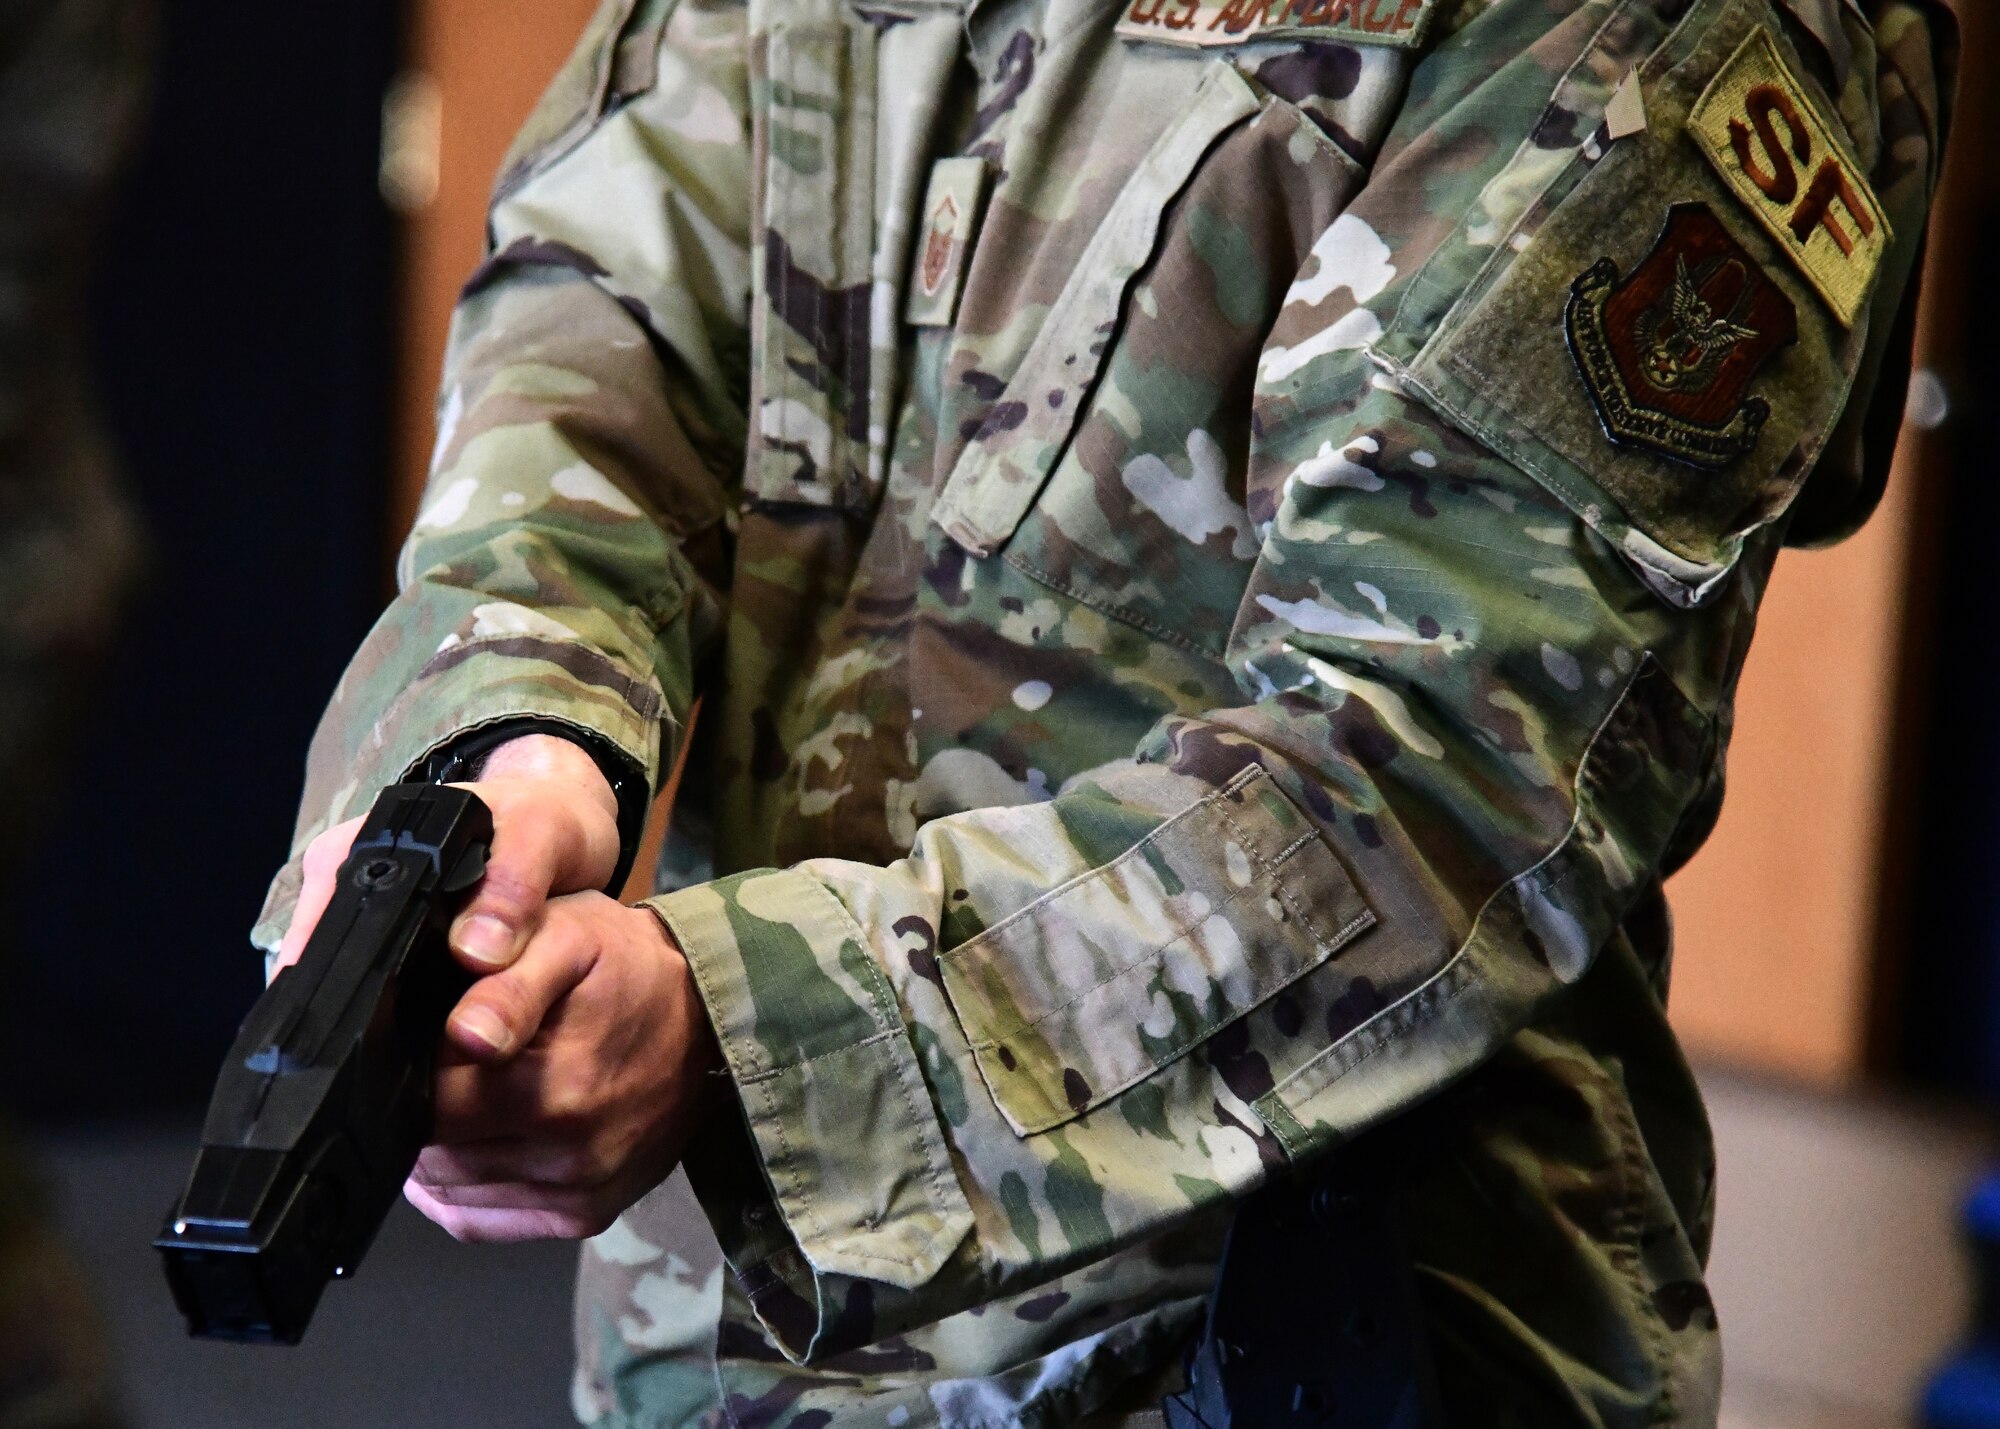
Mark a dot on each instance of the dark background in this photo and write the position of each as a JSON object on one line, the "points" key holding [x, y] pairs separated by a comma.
{"points": [[243, 344], [1950, 1005], [243, 326]]}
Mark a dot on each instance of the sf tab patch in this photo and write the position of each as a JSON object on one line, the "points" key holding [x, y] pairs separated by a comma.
{"points": [[1764, 134], [1204, 23], [1668, 353], [951, 208]]}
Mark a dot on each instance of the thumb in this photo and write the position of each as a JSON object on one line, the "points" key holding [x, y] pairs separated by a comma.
{"points": [[502, 1012], [548, 838]]}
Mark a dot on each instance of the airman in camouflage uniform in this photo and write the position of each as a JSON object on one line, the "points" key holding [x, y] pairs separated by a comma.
{"points": [[1217, 540]]}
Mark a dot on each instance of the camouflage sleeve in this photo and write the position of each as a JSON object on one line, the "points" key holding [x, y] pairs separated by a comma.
{"points": [[589, 421], [1485, 658]]}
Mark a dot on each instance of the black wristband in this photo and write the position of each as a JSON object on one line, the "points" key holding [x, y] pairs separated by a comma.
{"points": [[460, 762]]}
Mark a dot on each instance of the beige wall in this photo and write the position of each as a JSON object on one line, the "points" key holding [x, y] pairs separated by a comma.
{"points": [[1790, 920], [489, 61], [1775, 918]]}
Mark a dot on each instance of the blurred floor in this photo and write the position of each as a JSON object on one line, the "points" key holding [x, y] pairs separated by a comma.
{"points": [[430, 1335], [1837, 1267], [1837, 1274]]}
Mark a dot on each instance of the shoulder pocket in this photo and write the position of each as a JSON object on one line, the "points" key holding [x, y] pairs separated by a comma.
{"points": [[617, 57], [1217, 910], [1667, 338]]}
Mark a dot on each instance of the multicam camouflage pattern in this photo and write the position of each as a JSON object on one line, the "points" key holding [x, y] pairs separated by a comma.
{"points": [[1183, 713]]}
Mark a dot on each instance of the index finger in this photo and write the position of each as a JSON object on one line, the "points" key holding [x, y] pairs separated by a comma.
{"points": [[322, 861]]}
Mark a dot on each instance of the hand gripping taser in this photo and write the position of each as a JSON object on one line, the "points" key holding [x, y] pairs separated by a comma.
{"points": [[326, 1098]]}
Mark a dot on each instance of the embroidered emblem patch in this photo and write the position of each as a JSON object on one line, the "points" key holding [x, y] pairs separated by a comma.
{"points": [[1668, 352], [950, 209], [1204, 23], [1763, 133]]}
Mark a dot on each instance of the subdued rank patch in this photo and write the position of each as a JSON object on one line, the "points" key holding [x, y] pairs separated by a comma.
{"points": [[1401, 23], [1765, 135], [951, 209], [1625, 115], [1668, 353]]}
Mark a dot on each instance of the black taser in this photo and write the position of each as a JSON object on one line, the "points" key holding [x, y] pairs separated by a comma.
{"points": [[326, 1098]]}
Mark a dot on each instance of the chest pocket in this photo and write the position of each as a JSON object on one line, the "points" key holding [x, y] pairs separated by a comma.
{"points": [[1111, 466], [1667, 337]]}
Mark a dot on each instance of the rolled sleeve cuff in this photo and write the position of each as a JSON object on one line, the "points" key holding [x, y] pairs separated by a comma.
{"points": [[852, 1151], [467, 688]]}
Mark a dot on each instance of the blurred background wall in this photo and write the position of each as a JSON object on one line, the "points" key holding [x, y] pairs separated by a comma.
{"points": [[244, 336], [270, 313]]}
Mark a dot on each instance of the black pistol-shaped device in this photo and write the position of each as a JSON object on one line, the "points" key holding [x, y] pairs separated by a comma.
{"points": [[325, 1101]]}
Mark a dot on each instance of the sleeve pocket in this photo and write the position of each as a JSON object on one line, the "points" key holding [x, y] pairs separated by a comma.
{"points": [[1214, 912], [1647, 225]]}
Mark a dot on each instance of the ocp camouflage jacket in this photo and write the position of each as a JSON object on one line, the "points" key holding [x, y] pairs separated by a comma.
{"points": [[1216, 539]]}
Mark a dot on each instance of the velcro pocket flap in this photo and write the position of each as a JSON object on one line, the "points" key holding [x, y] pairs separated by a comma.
{"points": [[811, 324], [1003, 468], [1094, 987]]}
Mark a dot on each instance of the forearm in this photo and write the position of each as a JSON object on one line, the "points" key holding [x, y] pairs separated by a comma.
{"points": [[545, 577]]}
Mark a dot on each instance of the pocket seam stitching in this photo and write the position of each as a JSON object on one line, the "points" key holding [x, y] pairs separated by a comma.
{"points": [[1267, 872], [1122, 614], [1241, 779]]}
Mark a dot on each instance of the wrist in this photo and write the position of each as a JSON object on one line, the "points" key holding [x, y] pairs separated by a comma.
{"points": [[551, 757], [550, 749]]}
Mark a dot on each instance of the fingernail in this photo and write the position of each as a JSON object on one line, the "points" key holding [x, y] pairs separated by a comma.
{"points": [[485, 939], [485, 1025]]}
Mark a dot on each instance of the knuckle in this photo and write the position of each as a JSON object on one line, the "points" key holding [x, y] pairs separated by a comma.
{"points": [[514, 887], [508, 999], [464, 1228], [328, 849], [322, 857], [581, 1222], [569, 1109]]}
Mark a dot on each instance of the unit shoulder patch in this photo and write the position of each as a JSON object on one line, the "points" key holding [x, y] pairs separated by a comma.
{"points": [[1765, 135], [1669, 351], [1205, 23]]}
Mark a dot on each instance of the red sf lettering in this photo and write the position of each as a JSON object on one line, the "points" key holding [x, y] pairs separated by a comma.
{"points": [[1780, 181], [1829, 184]]}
